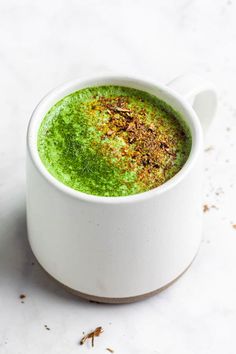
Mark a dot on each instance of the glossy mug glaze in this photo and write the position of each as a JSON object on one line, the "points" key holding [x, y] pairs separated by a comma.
{"points": [[120, 249]]}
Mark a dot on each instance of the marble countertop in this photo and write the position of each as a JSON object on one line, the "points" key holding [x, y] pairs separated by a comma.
{"points": [[45, 43]]}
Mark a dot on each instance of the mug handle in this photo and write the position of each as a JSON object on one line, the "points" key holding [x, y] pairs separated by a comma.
{"points": [[200, 93]]}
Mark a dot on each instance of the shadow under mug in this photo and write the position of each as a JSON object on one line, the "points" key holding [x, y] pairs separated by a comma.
{"points": [[120, 249]]}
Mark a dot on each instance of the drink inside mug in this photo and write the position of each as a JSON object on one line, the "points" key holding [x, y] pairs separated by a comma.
{"points": [[113, 141]]}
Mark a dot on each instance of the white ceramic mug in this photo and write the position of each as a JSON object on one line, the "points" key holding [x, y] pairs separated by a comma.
{"points": [[120, 249]]}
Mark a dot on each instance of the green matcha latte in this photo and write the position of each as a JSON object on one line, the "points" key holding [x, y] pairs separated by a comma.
{"points": [[113, 141]]}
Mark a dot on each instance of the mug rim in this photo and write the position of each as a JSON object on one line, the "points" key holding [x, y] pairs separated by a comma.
{"points": [[70, 86]]}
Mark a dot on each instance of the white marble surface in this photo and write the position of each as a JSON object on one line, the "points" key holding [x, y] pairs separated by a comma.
{"points": [[44, 43]]}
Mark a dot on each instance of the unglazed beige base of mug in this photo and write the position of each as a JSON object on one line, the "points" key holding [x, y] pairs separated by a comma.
{"points": [[114, 300]]}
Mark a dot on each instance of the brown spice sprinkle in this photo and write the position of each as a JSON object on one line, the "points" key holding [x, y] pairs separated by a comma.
{"points": [[234, 226], [92, 335], [22, 297], [205, 208], [149, 148], [110, 350]]}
